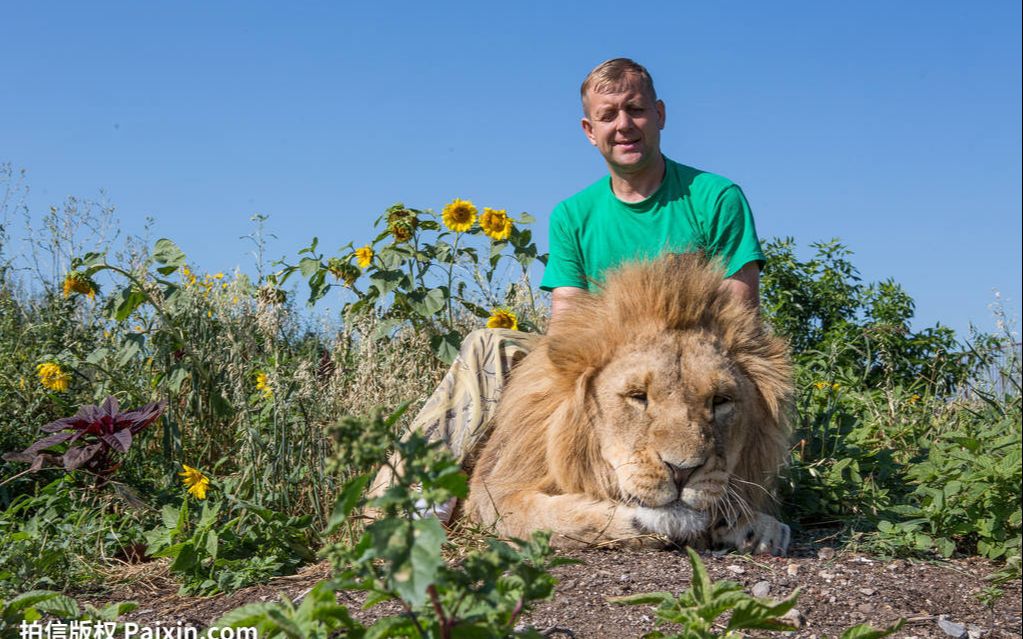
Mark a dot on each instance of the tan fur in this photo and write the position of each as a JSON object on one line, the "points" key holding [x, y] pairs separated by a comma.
{"points": [[657, 407]]}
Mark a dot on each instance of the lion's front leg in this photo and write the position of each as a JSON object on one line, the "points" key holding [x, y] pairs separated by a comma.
{"points": [[576, 520], [760, 534]]}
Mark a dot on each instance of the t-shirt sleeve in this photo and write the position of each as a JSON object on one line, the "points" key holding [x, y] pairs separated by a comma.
{"points": [[732, 235], [564, 261]]}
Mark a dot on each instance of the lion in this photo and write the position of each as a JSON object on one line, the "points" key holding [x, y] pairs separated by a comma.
{"points": [[656, 410]]}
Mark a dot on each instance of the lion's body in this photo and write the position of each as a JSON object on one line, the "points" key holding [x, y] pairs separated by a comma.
{"points": [[655, 408]]}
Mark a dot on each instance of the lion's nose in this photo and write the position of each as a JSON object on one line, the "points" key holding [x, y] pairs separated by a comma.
{"points": [[681, 473]]}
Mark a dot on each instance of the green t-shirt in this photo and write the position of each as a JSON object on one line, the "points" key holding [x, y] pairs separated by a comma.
{"points": [[692, 210]]}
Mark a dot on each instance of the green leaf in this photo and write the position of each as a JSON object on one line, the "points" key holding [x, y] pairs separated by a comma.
{"points": [[428, 303], [865, 631], [446, 346], [252, 615], [701, 584], [753, 614], [386, 281], [643, 599], [413, 549], [346, 502], [212, 544], [308, 266], [167, 252], [185, 559], [390, 258], [130, 347], [478, 311], [123, 303], [170, 516], [385, 327], [178, 375], [398, 626]]}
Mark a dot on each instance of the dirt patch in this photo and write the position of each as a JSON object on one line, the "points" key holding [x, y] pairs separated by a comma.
{"points": [[837, 590]]}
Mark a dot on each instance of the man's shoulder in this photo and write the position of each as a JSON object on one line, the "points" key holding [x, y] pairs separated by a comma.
{"points": [[697, 181], [585, 201]]}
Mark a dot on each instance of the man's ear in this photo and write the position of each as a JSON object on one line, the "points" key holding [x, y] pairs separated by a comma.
{"points": [[660, 114], [588, 130]]}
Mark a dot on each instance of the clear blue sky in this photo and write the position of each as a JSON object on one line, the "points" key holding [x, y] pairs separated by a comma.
{"points": [[894, 126]]}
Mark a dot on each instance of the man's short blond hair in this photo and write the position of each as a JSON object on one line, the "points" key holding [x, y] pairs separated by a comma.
{"points": [[615, 75]]}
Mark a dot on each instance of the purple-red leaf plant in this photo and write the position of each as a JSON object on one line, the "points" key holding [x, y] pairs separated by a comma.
{"points": [[92, 435]]}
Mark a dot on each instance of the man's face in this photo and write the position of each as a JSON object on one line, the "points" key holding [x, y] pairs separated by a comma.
{"points": [[625, 127]]}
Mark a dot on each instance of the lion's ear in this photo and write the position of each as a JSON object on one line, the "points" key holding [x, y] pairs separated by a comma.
{"points": [[573, 449]]}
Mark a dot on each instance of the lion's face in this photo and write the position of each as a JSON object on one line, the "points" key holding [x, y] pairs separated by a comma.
{"points": [[669, 414]]}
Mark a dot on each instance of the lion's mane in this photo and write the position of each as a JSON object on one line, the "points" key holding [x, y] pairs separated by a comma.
{"points": [[541, 440]]}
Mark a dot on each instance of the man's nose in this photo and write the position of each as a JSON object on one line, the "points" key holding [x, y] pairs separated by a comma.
{"points": [[624, 121]]}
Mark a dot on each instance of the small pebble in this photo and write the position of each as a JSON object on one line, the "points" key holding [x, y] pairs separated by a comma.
{"points": [[761, 589], [793, 618], [735, 569], [824, 574], [952, 629], [867, 591], [792, 570], [826, 553], [865, 608]]}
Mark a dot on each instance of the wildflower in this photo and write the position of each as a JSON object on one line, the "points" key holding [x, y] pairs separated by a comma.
{"points": [[78, 282], [835, 386], [820, 385], [195, 481], [459, 215], [401, 223], [502, 318], [914, 398], [218, 276], [263, 385], [53, 377], [364, 256], [496, 224]]}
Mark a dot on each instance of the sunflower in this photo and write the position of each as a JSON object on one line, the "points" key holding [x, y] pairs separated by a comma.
{"points": [[78, 282], [195, 481], [401, 223], [502, 318], [263, 385], [496, 224], [364, 256], [459, 215], [53, 377], [343, 270]]}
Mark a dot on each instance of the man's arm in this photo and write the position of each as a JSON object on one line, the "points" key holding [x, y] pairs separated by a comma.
{"points": [[561, 299], [745, 283]]}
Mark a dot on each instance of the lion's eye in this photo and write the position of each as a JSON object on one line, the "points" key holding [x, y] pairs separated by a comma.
{"points": [[638, 396], [724, 409]]}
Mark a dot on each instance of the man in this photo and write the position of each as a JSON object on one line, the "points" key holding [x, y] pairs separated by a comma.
{"points": [[646, 206]]}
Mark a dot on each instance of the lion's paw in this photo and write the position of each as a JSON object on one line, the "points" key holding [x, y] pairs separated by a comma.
{"points": [[677, 523], [761, 535]]}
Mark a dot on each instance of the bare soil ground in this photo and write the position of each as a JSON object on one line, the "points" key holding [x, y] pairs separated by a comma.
{"points": [[837, 590]]}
